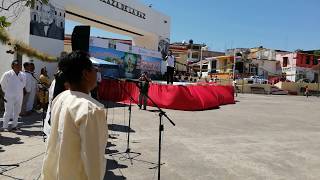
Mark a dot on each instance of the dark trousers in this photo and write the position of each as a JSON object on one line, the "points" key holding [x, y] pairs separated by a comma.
{"points": [[170, 71]]}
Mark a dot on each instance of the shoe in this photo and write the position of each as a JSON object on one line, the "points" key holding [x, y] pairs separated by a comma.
{"points": [[4, 130], [15, 129], [140, 106], [144, 108]]}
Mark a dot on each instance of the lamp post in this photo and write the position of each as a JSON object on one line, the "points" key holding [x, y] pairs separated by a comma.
{"points": [[204, 48]]}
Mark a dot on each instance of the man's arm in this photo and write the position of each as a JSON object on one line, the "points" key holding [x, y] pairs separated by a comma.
{"points": [[93, 134]]}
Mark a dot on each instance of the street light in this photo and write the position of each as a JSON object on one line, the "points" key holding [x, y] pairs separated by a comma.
{"points": [[204, 48]]}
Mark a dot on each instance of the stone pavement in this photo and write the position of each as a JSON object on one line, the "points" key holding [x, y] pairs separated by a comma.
{"points": [[260, 137]]}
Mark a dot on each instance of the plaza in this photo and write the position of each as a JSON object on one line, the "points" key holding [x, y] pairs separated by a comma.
{"points": [[259, 137]]}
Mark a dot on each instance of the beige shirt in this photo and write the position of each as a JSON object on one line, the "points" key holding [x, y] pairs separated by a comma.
{"points": [[76, 145]]}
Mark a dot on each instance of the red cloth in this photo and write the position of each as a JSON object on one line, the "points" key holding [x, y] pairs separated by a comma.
{"points": [[188, 98]]}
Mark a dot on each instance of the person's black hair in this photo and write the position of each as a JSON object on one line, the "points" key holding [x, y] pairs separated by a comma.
{"points": [[15, 62], [42, 71], [25, 65], [59, 84], [73, 65]]}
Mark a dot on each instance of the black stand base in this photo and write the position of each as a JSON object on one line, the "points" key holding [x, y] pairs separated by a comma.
{"points": [[127, 155], [3, 167]]}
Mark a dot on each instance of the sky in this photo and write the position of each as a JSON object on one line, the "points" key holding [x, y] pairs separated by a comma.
{"points": [[225, 24]]}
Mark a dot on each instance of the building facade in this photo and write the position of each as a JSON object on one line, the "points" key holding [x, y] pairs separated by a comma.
{"points": [[299, 65]]}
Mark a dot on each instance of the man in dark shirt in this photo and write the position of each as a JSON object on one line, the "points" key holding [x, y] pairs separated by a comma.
{"points": [[144, 88]]}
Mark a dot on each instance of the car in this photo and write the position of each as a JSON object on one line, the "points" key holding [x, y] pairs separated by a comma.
{"points": [[256, 80]]}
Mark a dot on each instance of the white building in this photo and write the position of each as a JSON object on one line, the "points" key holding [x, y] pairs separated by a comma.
{"points": [[43, 27]]}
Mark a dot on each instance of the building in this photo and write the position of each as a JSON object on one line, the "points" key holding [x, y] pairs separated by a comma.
{"points": [[42, 27], [187, 54], [299, 65], [255, 61]]}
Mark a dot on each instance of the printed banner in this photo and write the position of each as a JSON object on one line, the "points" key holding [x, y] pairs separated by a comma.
{"points": [[47, 21], [130, 64]]}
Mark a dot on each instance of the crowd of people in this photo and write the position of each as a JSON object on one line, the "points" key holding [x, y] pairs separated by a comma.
{"points": [[77, 122], [24, 92]]}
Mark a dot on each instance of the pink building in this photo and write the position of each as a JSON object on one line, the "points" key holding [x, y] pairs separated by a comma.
{"points": [[298, 65]]}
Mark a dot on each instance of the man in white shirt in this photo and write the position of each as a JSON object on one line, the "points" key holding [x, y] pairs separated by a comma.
{"points": [[12, 83], [170, 67], [32, 83], [78, 136]]}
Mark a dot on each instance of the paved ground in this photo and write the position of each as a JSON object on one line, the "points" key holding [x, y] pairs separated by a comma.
{"points": [[261, 137]]}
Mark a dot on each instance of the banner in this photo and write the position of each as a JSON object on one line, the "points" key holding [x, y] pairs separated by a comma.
{"points": [[130, 64]]}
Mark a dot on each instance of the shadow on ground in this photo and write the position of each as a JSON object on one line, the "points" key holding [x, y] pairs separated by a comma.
{"points": [[119, 128], [113, 165], [7, 141]]}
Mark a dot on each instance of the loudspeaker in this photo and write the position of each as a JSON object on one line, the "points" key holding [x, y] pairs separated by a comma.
{"points": [[80, 38]]}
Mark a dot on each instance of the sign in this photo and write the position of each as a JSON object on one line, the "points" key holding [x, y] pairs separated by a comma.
{"points": [[125, 8]]}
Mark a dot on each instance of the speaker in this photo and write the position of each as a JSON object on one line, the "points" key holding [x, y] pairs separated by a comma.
{"points": [[80, 38]]}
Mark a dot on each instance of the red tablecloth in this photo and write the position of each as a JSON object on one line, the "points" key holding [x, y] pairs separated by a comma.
{"points": [[188, 98]]}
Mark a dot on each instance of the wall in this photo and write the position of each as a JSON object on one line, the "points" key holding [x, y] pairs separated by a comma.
{"points": [[52, 47], [19, 30], [295, 87], [290, 69], [266, 67]]}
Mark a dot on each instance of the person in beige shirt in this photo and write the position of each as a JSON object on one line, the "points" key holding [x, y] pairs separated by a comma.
{"points": [[77, 142]]}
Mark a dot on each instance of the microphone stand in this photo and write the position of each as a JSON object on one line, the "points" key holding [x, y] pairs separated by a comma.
{"points": [[128, 150], [161, 129]]}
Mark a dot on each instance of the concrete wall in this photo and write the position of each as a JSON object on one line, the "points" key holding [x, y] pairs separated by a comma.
{"points": [[52, 47], [19, 30], [296, 87], [266, 67]]}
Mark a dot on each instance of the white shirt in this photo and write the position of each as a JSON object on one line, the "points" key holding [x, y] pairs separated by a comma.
{"points": [[47, 126], [170, 61], [78, 137], [13, 84]]}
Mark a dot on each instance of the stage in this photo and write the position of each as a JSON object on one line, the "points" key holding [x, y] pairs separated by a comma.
{"points": [[188, 97]]}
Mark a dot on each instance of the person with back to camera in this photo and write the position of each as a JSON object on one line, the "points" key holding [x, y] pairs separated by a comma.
{"points": [[78, 137]]}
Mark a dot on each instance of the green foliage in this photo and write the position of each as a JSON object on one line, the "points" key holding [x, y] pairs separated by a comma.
{"points": [[3, 22], [317, 52]]}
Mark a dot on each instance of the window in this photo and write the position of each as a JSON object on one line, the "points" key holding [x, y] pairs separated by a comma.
{"points": [[35, 17], [55, 13], [61, 24], [285, 62], [307, 59], [60, 14], [195, 55], [37, 8], [316, 60]]}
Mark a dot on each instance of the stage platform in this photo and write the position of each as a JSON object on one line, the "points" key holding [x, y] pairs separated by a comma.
{"points": [[184, 96]]}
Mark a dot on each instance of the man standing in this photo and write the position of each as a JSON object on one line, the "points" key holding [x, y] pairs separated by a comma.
{"points": [[26, 89], [78, 136], [31, 86], [144, 88], [12, 83], [170, 67]]}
